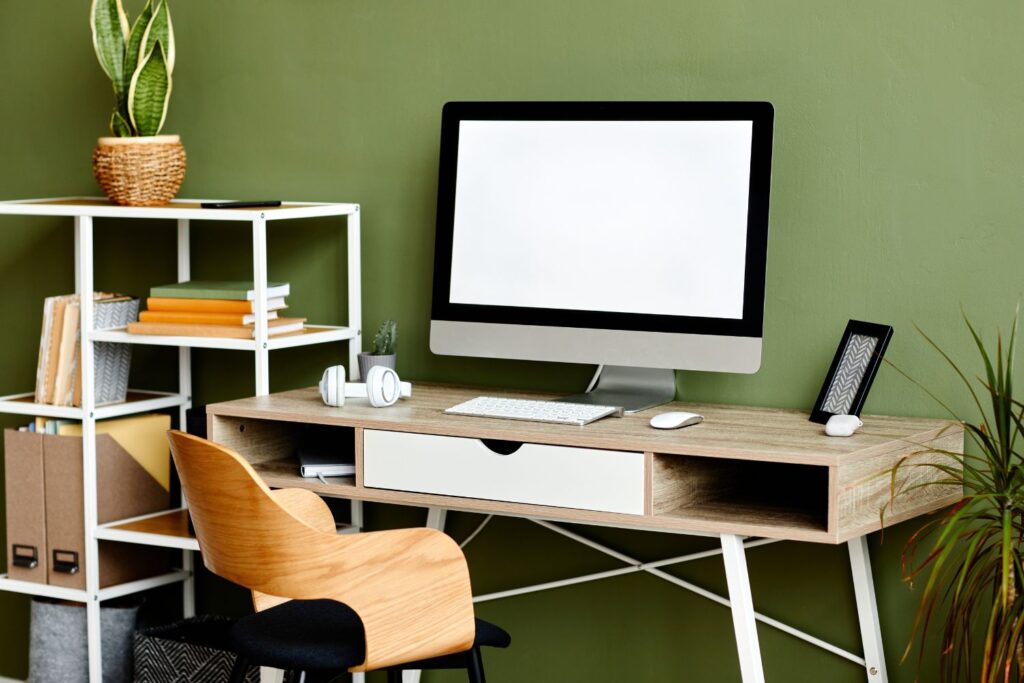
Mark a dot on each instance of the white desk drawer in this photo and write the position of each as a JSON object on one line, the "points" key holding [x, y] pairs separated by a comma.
{"points": [[560, 476]]}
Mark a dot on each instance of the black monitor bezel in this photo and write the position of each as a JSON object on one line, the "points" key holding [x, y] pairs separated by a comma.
{"points": [[752, 322]]}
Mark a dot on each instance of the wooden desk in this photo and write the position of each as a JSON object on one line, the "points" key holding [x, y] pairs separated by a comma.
{"points": [[744, 472]]}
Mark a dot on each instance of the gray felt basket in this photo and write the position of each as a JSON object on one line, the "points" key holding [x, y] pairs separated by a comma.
{"points": [[58, 646]]}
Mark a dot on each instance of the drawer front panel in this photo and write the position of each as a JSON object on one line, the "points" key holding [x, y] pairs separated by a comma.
{"points": [[538, 474]]}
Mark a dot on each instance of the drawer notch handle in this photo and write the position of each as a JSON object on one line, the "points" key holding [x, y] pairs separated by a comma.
{"points": [[501, 447]]}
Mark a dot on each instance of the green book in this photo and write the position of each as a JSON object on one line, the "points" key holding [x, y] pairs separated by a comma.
{"points": [[234, 290]]}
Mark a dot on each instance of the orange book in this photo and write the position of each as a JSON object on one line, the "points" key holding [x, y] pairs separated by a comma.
{"points": [[155, 303], [276, 327], [195, 318]]}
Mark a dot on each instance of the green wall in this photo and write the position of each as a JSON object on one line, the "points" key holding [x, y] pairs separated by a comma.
{"points": [[896, 198]]}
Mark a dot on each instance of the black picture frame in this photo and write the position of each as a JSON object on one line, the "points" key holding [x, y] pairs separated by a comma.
{"points": [[853, 370]]}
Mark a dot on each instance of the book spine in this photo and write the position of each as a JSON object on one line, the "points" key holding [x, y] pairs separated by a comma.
{"points": [[178, 304], [44, 348], [190, 318], [176, 292]]}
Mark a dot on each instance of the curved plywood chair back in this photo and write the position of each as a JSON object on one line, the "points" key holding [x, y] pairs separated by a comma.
{"points": [[410, 587], [243, 532]]}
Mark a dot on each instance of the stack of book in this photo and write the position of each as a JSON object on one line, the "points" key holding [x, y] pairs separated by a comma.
{"points": [[58, 375], [213, 309]]}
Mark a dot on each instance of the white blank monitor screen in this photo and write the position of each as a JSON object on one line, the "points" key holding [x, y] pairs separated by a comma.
{"points": [[644, 217]]}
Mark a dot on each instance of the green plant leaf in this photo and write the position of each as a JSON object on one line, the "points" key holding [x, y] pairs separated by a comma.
{"points": [[119, 127], [159, 30], [134, 45], [971, 561], [149, 93], [109, 25]]}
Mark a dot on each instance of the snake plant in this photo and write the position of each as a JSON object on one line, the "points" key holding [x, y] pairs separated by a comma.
{"points": [[139, 60], [970, 560]]}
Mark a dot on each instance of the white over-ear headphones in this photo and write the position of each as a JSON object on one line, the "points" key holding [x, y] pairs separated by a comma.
{"points": [[382, 387]]}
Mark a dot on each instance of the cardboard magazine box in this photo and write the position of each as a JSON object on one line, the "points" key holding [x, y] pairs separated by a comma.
{"points": [[26, 506], [133, 478]]}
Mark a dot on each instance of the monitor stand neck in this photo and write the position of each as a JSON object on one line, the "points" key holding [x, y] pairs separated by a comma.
{"points": [[634, 389]]}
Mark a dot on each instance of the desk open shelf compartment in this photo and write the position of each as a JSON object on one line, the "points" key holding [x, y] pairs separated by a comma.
{"points": [[725, 490], [271, 446]]}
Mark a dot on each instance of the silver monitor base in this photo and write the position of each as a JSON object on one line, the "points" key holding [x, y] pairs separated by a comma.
{"points": [[634, 389]]}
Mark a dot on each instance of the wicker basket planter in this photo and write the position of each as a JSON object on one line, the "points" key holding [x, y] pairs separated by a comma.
{"points": [[139, 171]]}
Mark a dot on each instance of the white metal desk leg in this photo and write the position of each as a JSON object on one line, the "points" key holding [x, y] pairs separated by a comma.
{"points": [[747, 645], [435, 520], [867, 610]]}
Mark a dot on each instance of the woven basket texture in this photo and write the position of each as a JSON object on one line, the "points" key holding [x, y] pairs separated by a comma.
{"points": [[144, 174]]}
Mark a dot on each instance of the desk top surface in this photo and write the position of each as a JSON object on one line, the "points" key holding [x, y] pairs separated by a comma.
{"points": [[749, 433]]}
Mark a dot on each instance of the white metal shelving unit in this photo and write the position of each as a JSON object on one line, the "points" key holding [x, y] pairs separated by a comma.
{"points": [[83, 210]]}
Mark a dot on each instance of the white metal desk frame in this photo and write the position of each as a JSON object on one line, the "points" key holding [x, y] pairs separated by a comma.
{"points": [[84, 286], [740, 600]]}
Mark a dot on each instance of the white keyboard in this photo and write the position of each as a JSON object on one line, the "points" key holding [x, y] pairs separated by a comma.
{"points": [[534, 411]]}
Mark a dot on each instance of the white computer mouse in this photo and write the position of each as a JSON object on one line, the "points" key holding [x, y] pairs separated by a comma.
{"points": [[675, 420]]}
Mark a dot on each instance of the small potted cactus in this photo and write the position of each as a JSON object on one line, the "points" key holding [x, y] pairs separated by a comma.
{"points": [[385, 348], [136, 166]]}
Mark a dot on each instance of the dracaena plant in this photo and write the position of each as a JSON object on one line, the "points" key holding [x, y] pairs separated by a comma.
{"points": [[139, 60], [968, 561]]}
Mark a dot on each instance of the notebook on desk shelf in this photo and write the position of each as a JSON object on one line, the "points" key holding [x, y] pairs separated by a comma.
{"points": [[325, 451], [230, 290], [314, 462], [275, 328]]}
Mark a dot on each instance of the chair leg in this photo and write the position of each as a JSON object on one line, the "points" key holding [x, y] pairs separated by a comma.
{"points": [[394, 676], [239, 669], [475, 667]]}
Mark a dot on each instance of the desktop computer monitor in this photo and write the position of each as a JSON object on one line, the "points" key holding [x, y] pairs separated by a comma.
{"points": [[632, 235]]}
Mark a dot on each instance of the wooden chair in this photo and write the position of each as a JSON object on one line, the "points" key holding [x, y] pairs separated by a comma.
{"points": [[324, 602]]}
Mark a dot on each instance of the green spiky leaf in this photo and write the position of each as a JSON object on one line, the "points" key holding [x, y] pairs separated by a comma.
{"points": [[971, 562], [134, 45], [385, 342], [150, 93], [109, 25], [119, 126], [159, 30]]}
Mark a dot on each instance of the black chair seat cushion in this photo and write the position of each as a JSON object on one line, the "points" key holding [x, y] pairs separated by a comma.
{"points": [[325, 635]]}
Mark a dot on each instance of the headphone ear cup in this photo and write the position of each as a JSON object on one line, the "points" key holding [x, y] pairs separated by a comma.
{"points": [[382, 386], [332, 386]]}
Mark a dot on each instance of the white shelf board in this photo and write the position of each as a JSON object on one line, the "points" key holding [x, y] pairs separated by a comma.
{"points": [[42, 590], [45, 590], [122, 589], [100, 207], [314, 334], [139, 402], [107, 532]]}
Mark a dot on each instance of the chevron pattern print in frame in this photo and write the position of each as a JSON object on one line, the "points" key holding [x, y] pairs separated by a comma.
{"points": [[853, 370]]}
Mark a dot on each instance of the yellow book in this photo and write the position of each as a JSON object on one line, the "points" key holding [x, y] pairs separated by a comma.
{"points": [[157, 303], [274, 328], [63, 381], [195, 318]]}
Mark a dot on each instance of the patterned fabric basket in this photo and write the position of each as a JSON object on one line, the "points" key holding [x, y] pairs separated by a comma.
{"points": [[189, 651], [140, 171], [112, 361]]}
